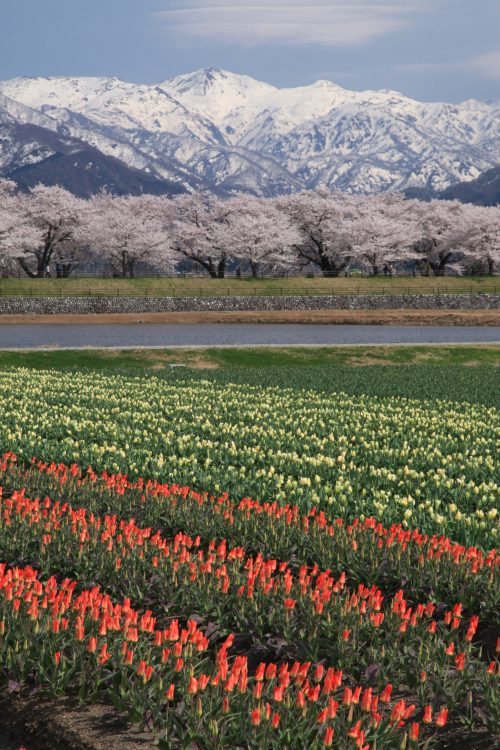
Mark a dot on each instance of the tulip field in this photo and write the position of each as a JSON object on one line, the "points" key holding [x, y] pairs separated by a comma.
{"points": [[233, 566]]}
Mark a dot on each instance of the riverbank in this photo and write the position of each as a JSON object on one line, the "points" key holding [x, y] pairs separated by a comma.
{"points": [[139, 305], [400, 317]]}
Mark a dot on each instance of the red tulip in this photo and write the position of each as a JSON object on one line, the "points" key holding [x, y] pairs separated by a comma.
{"points": [[255, 717], [355, 731], [328, 738], [442, 718], [385, 695], [169, 695], [323, 716], [347, 698]]}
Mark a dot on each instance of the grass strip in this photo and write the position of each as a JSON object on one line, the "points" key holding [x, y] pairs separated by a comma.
{"points": [[151, 286]]}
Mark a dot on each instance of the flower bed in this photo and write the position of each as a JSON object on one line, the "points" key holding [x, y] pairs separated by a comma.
{"points": [[205, 642]]}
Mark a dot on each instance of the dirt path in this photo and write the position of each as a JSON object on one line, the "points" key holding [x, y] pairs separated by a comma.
{"points": [[338, 317], [39, 724]]}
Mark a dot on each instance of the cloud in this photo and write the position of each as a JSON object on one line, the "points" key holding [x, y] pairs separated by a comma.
{"points": [[324, 22], [487, 64]]}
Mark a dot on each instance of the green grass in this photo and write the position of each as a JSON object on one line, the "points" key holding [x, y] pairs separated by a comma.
{"points": [[264, 357], [83, 359], [207, 287], [458, 373], [355, 356]]}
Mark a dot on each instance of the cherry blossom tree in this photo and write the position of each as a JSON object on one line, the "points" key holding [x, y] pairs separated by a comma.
{"points": [[201, 232], [56, 216], [481, 238], [7, 188], [17, 234], [129, 230], [320, 218], [49, 231], [382, 229], [9, 215], [261, 237], [441, 235]]}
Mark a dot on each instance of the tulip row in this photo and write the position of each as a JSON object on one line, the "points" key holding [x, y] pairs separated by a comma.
{"points": [[85, 642], [370, 553], [238, 592], [430, 655], [422, 464]]}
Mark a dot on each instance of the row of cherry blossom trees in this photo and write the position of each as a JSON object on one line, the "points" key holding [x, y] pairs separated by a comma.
{"points": [[51, 232]]}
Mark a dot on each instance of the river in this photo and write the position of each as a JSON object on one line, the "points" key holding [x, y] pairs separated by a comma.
{"points": [[75, 336]]}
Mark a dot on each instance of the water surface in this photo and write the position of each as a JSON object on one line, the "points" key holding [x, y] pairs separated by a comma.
{"points": [[78, 336]]}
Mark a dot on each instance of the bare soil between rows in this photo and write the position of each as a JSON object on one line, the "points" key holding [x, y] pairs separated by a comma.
{"points": [[424, 317], [39, 724]]}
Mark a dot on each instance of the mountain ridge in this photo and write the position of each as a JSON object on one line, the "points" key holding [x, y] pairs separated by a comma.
{"points": [[220, 131], [483, 191]]}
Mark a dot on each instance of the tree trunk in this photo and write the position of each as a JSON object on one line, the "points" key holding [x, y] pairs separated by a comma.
{"points": [[206, 264], [334, 268], [42, 266], [330, 266], [221, 267], [438, 266], [27, 270], [209, 266], [64, 270], [46, 255], [124, 264]]}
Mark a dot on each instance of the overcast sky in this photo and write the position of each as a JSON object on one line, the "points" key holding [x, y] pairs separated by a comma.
{"points": [[429, 49]]}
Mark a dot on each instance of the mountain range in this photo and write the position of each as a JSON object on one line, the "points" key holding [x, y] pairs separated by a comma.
{"points": [[224, 132]]}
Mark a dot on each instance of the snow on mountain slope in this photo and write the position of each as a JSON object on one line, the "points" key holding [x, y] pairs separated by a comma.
{"points": [[110, 101], [26, 135], [236, 103], [216, 93], [18, 112], [58, 92], [229, 132], [24, 144], [383, 146]]}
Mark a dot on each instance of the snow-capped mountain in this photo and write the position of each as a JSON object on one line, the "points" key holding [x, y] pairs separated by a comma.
{"points": [[226, 132], [34, 149]]}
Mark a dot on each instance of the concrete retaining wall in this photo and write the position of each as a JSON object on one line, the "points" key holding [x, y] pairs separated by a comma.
{"points": [[95, 305]]}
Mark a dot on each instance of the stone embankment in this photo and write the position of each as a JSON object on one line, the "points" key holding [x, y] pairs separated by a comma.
{"points": [[120, 305]]}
